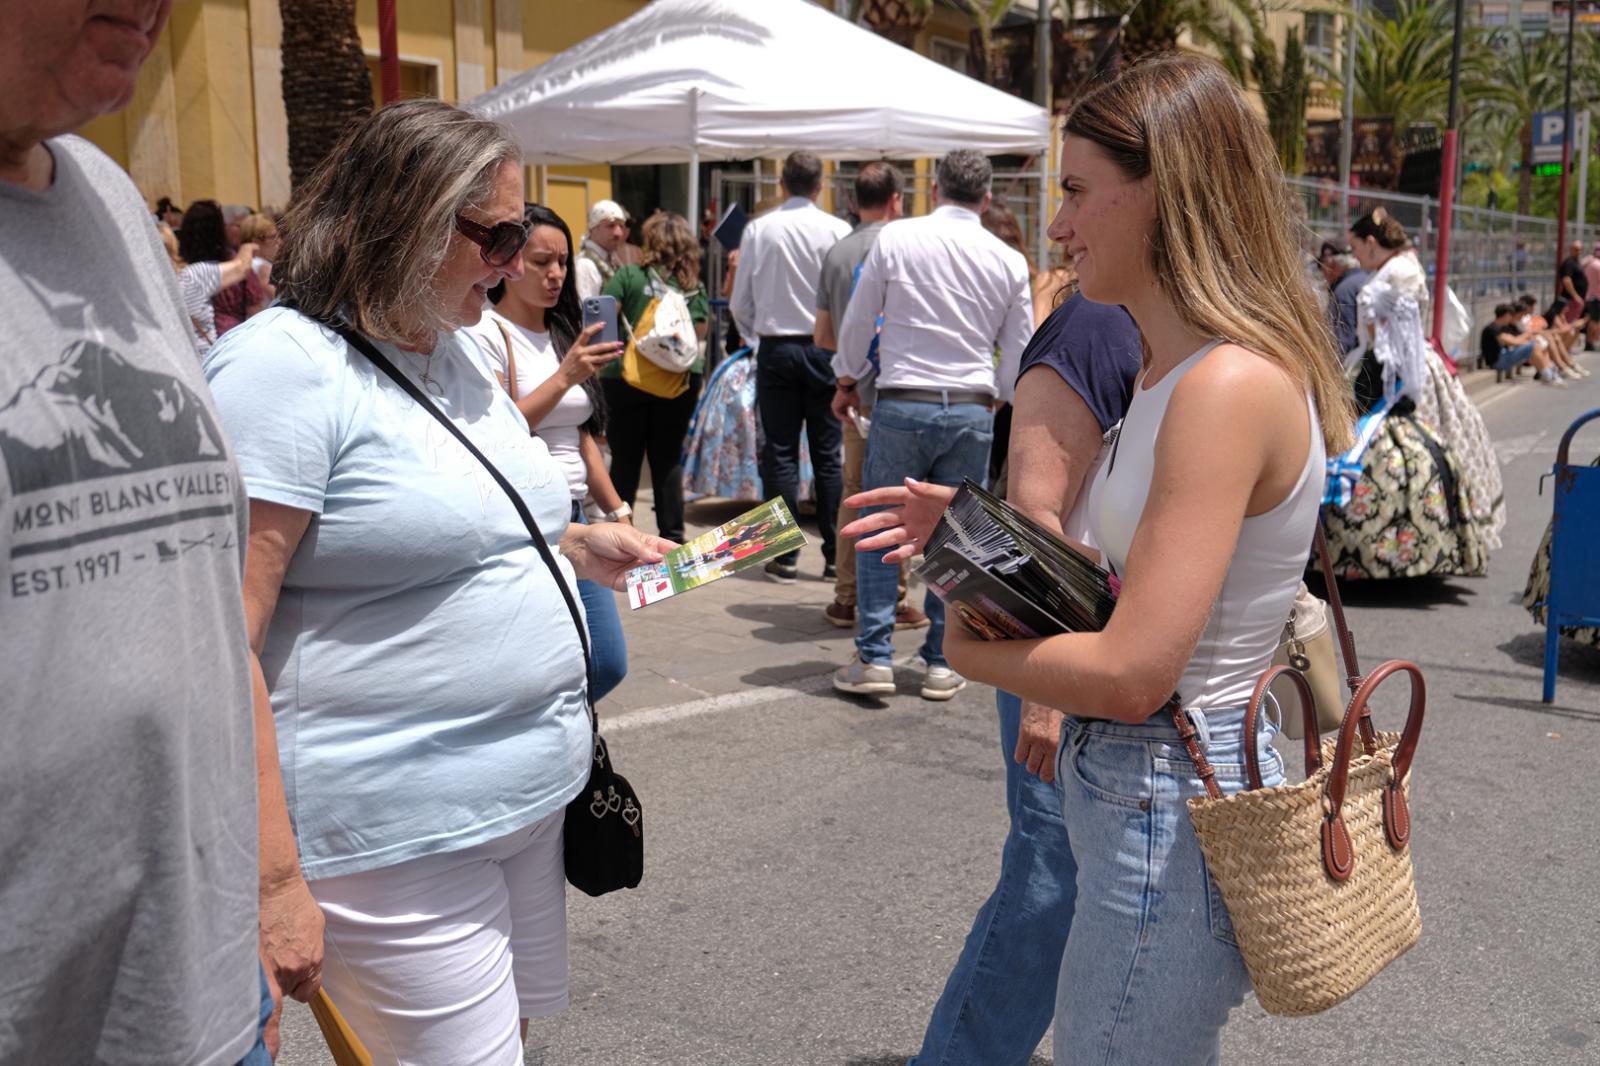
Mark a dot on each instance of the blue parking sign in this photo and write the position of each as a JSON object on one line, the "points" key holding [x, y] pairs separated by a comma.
{"points": [[1549, 133]]}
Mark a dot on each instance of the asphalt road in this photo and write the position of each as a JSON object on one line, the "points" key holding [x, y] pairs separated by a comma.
{"points": [[814, 860]]}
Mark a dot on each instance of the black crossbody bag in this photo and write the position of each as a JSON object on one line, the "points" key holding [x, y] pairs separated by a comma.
{"points": [[604, 841]]}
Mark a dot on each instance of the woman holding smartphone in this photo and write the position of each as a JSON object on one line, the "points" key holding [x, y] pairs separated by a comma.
{"points": [[548, 364], [642, 425], [1205, 508]]}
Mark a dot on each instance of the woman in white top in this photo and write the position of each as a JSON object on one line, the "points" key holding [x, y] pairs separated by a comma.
{"points": [[536, 326], [1206, 509], [1420, 494]]}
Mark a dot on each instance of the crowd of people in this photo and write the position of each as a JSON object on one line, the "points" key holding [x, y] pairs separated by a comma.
{"points": [[298, 699]]}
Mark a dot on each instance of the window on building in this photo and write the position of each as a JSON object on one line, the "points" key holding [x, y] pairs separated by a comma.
{"points": [[952, 54], [1535, 17], [417, 78], [1494, 13], [1321, 34]]}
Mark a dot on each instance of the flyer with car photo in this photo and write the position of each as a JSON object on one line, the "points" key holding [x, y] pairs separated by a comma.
{"points": [[756, 536]]}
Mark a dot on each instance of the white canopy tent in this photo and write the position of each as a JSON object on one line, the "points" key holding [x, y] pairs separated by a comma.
{"points": [[686, 80]]}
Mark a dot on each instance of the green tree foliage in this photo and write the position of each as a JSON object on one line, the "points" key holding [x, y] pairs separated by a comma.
{"points": [[1285, 87], [1403, 64], [1528, 77], [1157, 25]]}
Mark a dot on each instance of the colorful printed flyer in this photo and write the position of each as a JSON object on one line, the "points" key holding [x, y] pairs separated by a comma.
{"points": [[754, 537]]}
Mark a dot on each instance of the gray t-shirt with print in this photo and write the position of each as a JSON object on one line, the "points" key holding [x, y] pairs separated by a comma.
{"points": [[127, 770]]}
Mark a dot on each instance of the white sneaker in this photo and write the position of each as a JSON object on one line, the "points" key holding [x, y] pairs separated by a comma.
{"points": [[1553, 380], [941, 683], [864, 679]]}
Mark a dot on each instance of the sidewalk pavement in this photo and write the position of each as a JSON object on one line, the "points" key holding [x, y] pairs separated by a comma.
{"points": [[747, 631]]}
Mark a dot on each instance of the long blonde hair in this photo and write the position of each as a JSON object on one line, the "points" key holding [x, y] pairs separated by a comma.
{"points": [[1223, 249]]}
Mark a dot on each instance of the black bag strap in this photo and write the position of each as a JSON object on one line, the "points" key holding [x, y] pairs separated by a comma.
{"points": [[377, 358]]}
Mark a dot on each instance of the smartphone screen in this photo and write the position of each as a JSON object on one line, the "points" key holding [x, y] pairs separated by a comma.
{"points": [[601, 309]]}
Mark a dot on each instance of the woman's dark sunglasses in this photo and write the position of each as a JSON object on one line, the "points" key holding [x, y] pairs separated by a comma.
{"points": [[499, 244]]}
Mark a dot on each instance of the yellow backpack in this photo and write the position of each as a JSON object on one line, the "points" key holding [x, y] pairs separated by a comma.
{"points": [[640, 372]]}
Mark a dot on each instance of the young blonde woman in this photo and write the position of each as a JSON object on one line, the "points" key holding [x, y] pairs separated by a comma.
{"points": [[1206, 509]]}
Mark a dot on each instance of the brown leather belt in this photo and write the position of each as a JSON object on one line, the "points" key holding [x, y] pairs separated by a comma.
{"points": [[939, 396]]}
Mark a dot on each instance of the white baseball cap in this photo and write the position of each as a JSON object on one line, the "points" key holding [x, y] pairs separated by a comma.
{"points": [[606, 211]]}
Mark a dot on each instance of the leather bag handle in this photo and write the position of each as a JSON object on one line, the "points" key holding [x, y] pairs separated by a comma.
{"points": [[1338, 854], [1308, 714]]}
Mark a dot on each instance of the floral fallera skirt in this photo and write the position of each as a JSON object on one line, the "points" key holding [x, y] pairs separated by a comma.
{"points": [[1409, 514], [1444, 405], [1539, 588], [721, 454]]}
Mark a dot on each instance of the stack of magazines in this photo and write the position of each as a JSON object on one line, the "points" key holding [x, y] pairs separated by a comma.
{"points": [[1007, 577]]}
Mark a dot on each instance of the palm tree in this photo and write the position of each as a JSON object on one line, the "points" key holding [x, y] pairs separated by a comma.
{"points": [[987, 14], [1528, 78], [898, 20], [1158, 25], [325, 80], [1285, 87], [1403, 65]]}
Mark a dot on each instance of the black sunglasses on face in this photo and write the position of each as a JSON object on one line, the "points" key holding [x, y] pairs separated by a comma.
{"points": [[499, 244]]}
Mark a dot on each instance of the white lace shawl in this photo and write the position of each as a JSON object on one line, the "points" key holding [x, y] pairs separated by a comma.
{"points": [[1397, 340]]}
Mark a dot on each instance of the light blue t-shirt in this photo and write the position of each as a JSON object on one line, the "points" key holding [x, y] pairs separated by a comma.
{"points": [[426, 678]]}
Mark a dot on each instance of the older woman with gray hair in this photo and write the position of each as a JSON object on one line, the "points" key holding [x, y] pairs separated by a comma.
{"points": [[426, 686]]}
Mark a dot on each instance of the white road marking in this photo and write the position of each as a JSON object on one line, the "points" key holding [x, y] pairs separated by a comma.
{"points": [[728, 701]]}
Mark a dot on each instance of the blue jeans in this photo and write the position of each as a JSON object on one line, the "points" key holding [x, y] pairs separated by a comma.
{"points": [[607, 646], [1511, 358], [258, 1055], [943, 443], [1151, 967], [999, 999], [794, 391]]}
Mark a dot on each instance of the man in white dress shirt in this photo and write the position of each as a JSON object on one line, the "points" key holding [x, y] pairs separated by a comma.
{"points": [[598, 254], [952, 295], [775, 299]]}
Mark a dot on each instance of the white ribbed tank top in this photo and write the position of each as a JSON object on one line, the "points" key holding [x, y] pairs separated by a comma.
{"points": [[1247, 619]]}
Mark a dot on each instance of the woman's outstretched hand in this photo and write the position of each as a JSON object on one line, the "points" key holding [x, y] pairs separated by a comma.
{"points": [[913, 512], [604, 552]]}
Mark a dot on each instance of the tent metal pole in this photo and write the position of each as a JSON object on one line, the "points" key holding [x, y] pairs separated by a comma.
{"points": [[693, 214], [1043, 251]]}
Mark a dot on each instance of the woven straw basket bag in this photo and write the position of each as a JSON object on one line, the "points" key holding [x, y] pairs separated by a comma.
{"points": [[1317, 875]]}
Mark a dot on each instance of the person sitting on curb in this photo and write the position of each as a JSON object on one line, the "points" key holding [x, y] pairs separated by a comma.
{"points": [[1566, 336], [1505, 347]]}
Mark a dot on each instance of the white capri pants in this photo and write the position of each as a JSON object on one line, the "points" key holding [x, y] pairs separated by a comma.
{"points": [[437, 960]]}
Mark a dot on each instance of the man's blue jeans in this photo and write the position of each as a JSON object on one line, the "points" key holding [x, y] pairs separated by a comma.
{"points": [[1511, 358], [999, 999], [943, 443], [258, 1055]]}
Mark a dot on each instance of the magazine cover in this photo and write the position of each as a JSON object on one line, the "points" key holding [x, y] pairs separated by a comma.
{"points": [[762, 533], [1004, 576]]}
